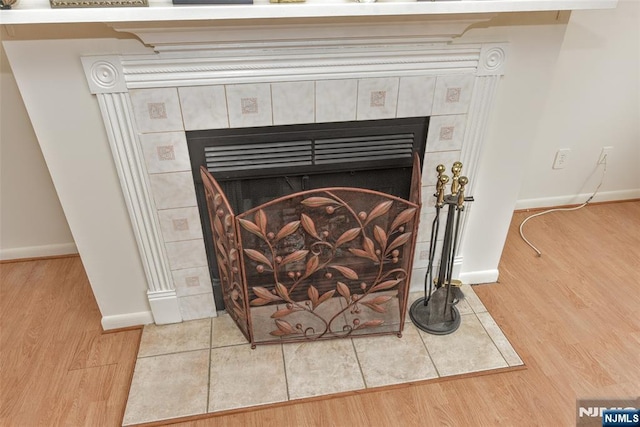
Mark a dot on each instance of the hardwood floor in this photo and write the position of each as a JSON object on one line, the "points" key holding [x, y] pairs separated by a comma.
{"points": [[572, 315], [58, 368]]}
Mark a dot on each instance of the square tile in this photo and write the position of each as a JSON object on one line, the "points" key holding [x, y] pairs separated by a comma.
{"points": [[173, 190], [204, 107], [418, 292], [421, 256], [336, 100], [192, 281], [472, 299], [180, 224], [464, 307], [468, 349], [503, 344], [446, 133], [308, 321], [388, 360], [156, 110], [225, 332], [175, 338], [263, 323], [165, 152], [293, 102], [194, 307], [324, 367], [158, 381], [427, 216], [242, 377], [417, 283], [249, 105], [377, 98], [186, 254], [390, 317], [415, 96], [453, 94]]}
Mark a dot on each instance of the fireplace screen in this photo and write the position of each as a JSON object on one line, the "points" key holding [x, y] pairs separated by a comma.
{"points": [[317, 264]]}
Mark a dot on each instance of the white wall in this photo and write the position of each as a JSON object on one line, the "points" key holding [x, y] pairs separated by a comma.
{"points": [[534, 45], [32, 223], [69, 128], [594, 102]]}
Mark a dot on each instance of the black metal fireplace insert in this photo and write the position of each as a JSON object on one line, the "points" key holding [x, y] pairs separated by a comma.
{"points": [[255, 165]]}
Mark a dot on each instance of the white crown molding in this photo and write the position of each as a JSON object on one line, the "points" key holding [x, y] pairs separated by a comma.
{"points": [[285, 61], [169, 37]]}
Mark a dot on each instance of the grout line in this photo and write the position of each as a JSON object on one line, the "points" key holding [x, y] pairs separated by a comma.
{"points": [[284, 366], [493, 341], [231, 345], [210, 361], [355, 352], [171, 353], [428, 353]]}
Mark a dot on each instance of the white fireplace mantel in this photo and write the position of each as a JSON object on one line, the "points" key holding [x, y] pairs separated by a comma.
{"points": [[39, 11], [417, 65]]}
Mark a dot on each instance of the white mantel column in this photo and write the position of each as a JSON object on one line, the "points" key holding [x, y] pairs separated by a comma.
{"points": [[106, 81]]}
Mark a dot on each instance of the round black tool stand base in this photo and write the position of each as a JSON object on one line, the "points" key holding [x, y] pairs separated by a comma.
{"points": [[419, 314]]}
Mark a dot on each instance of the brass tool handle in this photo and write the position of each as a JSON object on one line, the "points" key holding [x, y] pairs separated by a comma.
{"points": [[456, 169], [463, 181], [442, 183], [440, 170]]}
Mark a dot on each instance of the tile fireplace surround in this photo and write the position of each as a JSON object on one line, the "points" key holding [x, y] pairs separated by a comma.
{"points": [[149, 101]]}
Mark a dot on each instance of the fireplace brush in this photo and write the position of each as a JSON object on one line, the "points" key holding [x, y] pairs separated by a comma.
{"points": [[436, 312]]}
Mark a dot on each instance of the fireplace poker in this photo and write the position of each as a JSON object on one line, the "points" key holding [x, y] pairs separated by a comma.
{"points": [[435, 227], [454, 288]]}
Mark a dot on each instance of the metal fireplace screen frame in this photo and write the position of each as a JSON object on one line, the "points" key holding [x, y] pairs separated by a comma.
{"points": [[317, 264]]}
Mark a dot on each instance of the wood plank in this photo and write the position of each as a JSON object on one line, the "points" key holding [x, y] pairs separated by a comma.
{"points": [[58, 368]]}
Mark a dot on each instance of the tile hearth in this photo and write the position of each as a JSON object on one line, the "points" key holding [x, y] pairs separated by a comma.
{"points": [[193, 368]]}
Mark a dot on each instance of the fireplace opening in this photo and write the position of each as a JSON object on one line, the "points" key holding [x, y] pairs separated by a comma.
{"points": [[256, 165]]}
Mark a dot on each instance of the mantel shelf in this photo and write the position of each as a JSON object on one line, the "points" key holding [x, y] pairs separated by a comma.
{"points": [[39, 11]]}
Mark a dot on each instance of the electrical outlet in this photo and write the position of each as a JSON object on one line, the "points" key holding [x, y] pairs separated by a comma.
{"points": [[562, 156], [606, 152]]}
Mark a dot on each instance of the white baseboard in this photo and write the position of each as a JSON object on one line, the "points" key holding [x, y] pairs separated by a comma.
{"points": [[476, 277], [577, 199], [164, 306], [38, 251], [126, 320]]}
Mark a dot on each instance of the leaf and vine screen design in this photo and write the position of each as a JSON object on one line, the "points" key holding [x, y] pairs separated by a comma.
{"points": [[226, 246], [327, 263]]}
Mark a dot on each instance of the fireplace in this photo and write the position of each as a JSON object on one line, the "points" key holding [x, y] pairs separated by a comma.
{"points": [[256, 165], [150, 103]]}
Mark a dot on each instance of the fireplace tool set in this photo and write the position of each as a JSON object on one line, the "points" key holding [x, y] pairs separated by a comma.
{"points": [[436, 312]]}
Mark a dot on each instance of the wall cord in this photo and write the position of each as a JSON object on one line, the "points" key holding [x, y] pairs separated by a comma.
{"points": [[575, 208]]}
